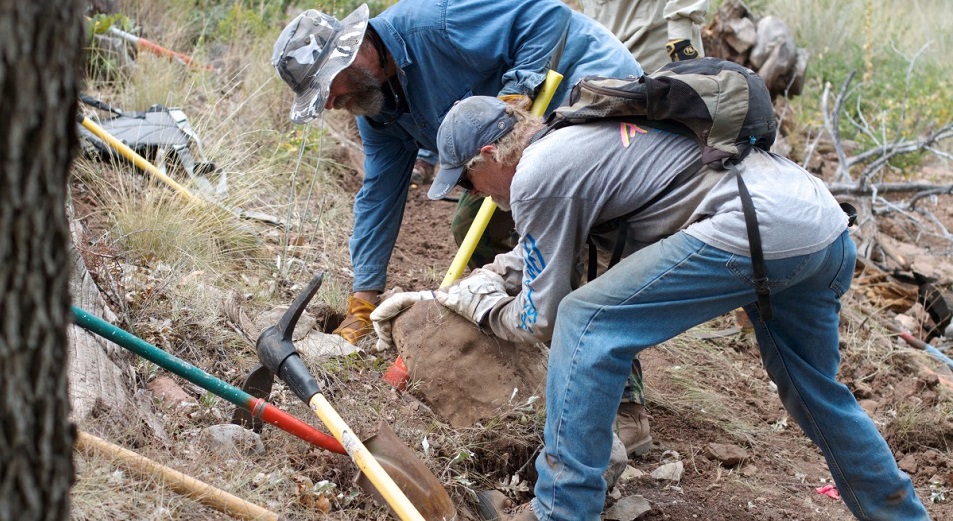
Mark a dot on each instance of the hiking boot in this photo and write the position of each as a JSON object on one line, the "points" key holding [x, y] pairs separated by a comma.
{"points": [[632, 426], [357, 323], [493, 505], [423, 173]]}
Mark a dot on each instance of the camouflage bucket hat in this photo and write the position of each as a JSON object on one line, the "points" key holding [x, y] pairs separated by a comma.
{"points": [[311, 51]]}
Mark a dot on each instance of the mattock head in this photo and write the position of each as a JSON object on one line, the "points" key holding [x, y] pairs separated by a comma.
{"points": [[277, 352]]}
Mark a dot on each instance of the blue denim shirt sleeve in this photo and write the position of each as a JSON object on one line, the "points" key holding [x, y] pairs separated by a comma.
{"points": [[521, 35], [445, 51]]}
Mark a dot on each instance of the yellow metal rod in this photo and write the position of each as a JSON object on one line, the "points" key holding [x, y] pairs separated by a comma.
{"points": [[482, 218], [138, 160], [469, 243], [386, 486]]}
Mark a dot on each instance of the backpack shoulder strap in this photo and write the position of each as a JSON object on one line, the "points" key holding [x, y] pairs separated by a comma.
{"points": [[621, 223], [754, 245]]}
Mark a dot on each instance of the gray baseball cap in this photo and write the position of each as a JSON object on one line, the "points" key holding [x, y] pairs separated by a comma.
{"points": [[311, 51], [470, 125]]}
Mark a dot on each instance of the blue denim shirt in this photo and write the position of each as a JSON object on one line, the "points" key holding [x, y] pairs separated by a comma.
{"points": [[447, 50]]}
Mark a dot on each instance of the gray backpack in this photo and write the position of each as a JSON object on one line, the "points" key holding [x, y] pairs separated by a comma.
{"points": [[726, 107], [157, 133]]}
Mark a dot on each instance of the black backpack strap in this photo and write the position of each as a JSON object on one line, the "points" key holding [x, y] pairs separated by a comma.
{"points": [[754, 244], [99, 104], [593, 270], [102, 105], [622, 222]]}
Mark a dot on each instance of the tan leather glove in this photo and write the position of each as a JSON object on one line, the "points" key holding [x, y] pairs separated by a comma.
{"points": [[517, 100], [385, 314], [357, 324]]}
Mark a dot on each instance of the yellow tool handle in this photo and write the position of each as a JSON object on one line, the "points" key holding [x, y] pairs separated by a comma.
{"points": [[181, 483], [478, 226], [469, 243], [137, 160], [389, 490], [546, 93]]}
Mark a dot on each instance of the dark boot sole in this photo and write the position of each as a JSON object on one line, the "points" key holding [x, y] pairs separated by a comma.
{"points": [[486, 508]]}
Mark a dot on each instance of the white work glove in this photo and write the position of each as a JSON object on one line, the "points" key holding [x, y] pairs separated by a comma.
{"points": [[388, 310], [474, 296]]}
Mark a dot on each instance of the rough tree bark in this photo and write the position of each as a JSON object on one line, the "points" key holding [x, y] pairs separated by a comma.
{"points": [[41, 47]]}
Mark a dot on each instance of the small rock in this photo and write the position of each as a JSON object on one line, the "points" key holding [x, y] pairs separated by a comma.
{"points": [[869, 406], [171, 394], [937, 479], [630, 473], [863, 391], [317, 346], [907, 322], [749, 470], [728, 455], [669, 472], [628, 509], [743, 34], [229, 438], [908, 464], [615, 493]]}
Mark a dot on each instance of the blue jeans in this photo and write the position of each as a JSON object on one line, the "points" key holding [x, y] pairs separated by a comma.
{"points": [[427, 156], [669, 287]]}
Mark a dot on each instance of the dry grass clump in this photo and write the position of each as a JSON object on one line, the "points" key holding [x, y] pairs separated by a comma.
{"points": [[165, 264], [711, 380]]}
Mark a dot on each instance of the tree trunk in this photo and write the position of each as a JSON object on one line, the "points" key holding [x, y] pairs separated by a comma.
{"points": [[41, 45]]}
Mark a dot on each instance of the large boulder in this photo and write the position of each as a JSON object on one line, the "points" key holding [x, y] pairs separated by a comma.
{"points": [[463, 374]]}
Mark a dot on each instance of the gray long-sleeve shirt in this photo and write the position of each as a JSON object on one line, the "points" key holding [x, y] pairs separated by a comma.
{"points": [[583, 175]]}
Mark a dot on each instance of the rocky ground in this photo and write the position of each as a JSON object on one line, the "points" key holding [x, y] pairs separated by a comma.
{"points": [[724, 447]]}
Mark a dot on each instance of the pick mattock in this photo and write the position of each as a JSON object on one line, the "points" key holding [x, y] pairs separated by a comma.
{"points": [[407, 485], [257, 408]]}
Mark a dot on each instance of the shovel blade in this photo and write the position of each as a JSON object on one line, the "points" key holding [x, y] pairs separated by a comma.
{"points": [[411, 475], [258, 383]]}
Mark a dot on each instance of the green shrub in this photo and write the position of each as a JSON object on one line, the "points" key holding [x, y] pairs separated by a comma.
{"points": [[897, 51]]}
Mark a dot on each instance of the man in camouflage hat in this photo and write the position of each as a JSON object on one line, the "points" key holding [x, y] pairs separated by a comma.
{"points": [[399, 73]]}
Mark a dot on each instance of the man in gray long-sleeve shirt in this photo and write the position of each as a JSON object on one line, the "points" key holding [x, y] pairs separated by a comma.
{"points": [[688, 262]]}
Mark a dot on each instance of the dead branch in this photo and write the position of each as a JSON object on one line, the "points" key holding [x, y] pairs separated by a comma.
{"points": [[832, 124], [889, 151], [888, 148], [921, 189], [936, 222]]}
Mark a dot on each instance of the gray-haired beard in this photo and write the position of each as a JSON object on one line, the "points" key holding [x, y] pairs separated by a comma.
{"points": [[366, 97]]}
